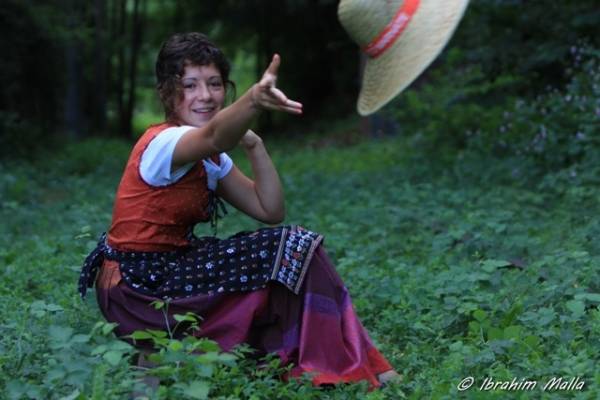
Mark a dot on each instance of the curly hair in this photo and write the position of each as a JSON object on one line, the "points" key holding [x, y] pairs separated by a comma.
{"points": [[179, 51]]}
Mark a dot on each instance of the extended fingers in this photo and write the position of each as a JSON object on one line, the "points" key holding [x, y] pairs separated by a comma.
{"points": [[289, 110], [277, 94], [274, 96], [282, 99], [274, 65], [271, 97], [290, 106], [270, 76]]}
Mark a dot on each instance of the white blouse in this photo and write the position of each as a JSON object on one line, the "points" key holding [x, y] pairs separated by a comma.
{"points": [[155, 167]]}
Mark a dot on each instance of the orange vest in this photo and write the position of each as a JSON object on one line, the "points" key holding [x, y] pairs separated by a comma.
{"points": [[151, 218]]}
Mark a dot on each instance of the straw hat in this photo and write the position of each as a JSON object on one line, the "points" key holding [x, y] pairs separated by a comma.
{"points": [[400, 39]]}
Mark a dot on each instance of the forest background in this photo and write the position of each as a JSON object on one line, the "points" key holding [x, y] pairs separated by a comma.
{"points": [[472, 253]]}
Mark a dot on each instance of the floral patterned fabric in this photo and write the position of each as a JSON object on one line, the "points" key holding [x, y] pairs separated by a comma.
{"points": [[243, 262]]}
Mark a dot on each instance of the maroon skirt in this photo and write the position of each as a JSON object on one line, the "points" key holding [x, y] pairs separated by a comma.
{"points": [[316, 330]]}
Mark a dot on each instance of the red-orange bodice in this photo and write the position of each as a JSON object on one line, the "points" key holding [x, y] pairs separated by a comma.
{"points": [[150, 218]]}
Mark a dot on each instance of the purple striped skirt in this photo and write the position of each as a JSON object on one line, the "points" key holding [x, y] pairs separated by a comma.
{"points": [[316, 330]]}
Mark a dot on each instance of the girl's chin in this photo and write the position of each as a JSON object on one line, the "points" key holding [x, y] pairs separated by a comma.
{"points": [[197, 121]]}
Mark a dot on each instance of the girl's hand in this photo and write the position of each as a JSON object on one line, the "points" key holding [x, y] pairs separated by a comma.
{"points": [[250, 139], [266, 96]]}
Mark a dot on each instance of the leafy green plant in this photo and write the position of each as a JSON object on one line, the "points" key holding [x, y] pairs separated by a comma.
{"points": [[455, 266]]}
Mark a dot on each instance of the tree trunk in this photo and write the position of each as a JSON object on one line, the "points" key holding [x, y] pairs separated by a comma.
{"points": [[139, 9], [264, 52], [100, 67], [120, 82], [320, 80], [73, 116]]}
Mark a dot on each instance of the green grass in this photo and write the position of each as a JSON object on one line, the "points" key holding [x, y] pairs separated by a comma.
{"points": [[455, 268]]}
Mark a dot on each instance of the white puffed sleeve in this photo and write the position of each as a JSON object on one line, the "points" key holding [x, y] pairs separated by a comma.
{"points": [[155, 165], [216, 172]]}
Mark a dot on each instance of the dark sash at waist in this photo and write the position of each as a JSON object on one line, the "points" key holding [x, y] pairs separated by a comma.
{"points": [[243, 262]]}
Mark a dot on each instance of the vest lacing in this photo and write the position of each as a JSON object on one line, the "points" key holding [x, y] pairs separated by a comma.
{"points": [[216, 210]]}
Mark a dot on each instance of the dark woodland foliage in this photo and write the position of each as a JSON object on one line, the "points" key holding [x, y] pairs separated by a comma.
{"points": [[76, 67], [468, 241]]}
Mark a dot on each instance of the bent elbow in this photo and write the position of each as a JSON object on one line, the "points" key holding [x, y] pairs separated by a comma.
{"points": [[214, 140], [276, 221], [275, 218]]}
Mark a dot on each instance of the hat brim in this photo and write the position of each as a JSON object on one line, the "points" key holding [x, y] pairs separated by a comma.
{"points": [[430, 28]]}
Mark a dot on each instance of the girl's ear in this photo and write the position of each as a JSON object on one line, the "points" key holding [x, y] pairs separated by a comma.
{"points": [[230, 92]]}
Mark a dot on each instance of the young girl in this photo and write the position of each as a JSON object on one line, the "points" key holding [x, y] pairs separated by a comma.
{"points": [[274, 289]]}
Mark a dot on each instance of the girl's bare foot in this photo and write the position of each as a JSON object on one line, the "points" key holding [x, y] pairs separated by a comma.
{"points": [[148, 380], [390, 376]]}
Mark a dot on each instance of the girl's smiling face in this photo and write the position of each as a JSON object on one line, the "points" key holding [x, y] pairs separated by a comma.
{"points": [[203, 95]]}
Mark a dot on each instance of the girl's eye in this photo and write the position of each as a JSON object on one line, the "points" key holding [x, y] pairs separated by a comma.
{"points": [[189, 86], [216, 84]]}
